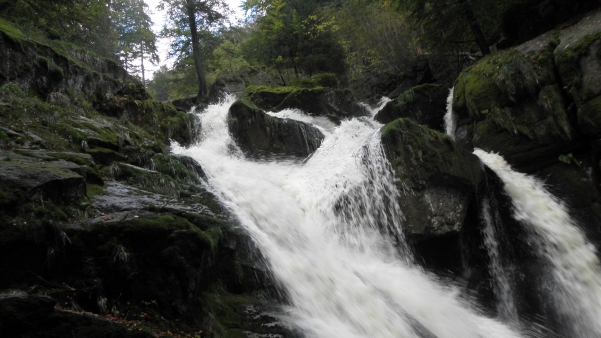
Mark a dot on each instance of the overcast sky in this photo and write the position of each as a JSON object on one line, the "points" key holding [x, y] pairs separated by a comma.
{"points": [[158, 18]]}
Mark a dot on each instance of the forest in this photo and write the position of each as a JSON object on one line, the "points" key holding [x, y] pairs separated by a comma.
{"points": [[369, 45]]}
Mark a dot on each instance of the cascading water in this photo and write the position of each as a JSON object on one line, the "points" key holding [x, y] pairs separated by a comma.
{"points": [[330, 230], [450, 118], [574, 266], [502, 288]]}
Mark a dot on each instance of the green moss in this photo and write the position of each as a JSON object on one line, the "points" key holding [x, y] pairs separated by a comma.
{"points": [[11, 31], [94, 190], [179, 167], [51, 67], [11, 89], [568, 60], [434, 151], [70, 157], [322, 80]]}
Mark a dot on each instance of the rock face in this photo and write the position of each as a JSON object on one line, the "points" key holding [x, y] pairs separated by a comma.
{"points": [[45, 70], [437, 180], [513, 104], [319, 101], [537, 105], [425, 104], [261, 135]]}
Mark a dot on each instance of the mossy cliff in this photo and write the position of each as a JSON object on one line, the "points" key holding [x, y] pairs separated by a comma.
{"points": [[537, 105], [102, 231]]}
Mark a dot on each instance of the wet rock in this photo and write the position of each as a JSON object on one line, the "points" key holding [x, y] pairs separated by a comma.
{"points": [[185, 104], [437, 180], [226, 84], [262, 135], [58, 181], [425, 104], [106, 156], [120, 197]]}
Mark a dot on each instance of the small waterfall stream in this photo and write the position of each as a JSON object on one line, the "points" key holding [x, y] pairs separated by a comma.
{"points": [[330, 228], [502, 285], [574, 276], [450, 118]]}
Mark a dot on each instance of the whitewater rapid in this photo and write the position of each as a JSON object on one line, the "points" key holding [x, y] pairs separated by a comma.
{"points": [[330, 229]]}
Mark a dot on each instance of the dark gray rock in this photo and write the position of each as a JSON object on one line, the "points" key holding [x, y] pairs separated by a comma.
{"points": [[335, 104], [261, 135], [58, 181], [437, 180], [425, 104]]}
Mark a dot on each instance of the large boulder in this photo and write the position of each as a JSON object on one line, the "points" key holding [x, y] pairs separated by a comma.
{"points": [[437, 179], [335, 104], [58, 181], [259, 134], [513, 103], [425, 104]]}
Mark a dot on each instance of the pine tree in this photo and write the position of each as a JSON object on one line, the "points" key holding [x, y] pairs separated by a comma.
{"points": [[190, 21]]}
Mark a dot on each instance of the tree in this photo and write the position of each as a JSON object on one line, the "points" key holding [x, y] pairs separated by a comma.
{"points": [[190, 21], [292, 35], [135, 36], [457, 21], [134, 31]]}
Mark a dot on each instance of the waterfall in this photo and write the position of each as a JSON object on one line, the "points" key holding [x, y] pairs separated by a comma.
{"points": [[450, 118], [574, 267], [502, 287], [330, 229]]}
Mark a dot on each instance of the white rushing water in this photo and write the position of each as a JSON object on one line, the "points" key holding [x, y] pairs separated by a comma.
{"points": [[330, 229], [502, 286], [450, 118], [575, 273]]}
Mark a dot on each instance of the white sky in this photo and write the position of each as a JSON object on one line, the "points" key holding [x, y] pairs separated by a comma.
{"points": [[158, 19]]}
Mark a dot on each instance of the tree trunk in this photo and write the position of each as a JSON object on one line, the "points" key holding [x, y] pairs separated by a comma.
{"points": [[142, 65], [202, 81], [475, 27]]}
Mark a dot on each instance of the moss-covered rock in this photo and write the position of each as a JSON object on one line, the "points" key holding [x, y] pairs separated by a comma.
{"points": [[106, 156], [437, 179], [514, 104], [57, 181], [579, 64], [425, 104], [262, 135]]}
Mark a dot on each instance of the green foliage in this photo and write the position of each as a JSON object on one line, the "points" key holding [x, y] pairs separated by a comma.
{"points": [[135, 37], [293, 35], [375, 37], [449, 25], [569, 159], [10, 88]]}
